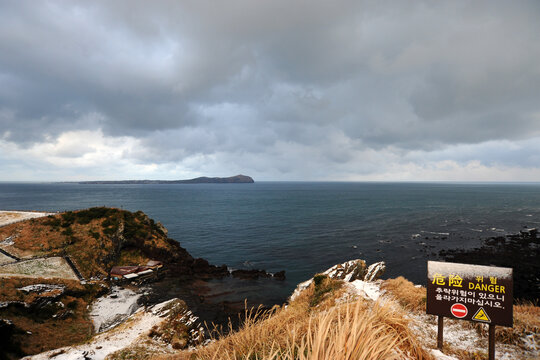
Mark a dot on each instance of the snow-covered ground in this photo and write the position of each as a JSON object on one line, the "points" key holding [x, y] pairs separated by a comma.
{"points": [[9, 217], [367, 289], [457, 335], [130, 332], [121, 328], [114, 308]]}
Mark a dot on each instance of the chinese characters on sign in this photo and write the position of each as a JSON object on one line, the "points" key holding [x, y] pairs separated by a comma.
{"points": [[470, 292]]}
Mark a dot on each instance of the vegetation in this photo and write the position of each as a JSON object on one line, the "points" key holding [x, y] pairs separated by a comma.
{"points": [[95, 239], [316, 330], [50, 319], [116, 237], [174, 330], [406, 293], [139, 352], [526, 322], [323, 285], [319, 324], [526, 317]]}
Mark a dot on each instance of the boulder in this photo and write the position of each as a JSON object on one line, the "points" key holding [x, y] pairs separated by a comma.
{"points": [[280, 275], [250, 274]]}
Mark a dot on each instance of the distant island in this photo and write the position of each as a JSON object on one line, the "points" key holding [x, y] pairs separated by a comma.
{"points": [[238, 179]]}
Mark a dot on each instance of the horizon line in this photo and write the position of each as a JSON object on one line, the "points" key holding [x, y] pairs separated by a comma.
{"points": [[275, 181]]}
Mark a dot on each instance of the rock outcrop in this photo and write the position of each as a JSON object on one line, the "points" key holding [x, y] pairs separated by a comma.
{"points": [[160, 327], [348, 271], [254, 274]]}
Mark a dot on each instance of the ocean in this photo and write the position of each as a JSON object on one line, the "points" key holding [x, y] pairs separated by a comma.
{"points": [[306, 227]]}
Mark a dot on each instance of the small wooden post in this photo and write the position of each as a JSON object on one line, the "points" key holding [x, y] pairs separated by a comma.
{"points": [[440, 332], [491, 346]]}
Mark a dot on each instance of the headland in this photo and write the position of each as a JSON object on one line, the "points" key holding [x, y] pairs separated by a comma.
{"points": [[238, 179]]}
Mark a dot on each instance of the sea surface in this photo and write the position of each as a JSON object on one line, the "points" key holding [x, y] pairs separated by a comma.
{"points": [[306, 227]]}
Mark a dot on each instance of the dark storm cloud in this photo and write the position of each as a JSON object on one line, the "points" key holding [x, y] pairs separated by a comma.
{"points": [[245, 77]]}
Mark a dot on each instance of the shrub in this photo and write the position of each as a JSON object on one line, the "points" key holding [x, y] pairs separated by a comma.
{"points": [[53, 221], [68, 217], [86, 216], [322, 286], [67, 232]]}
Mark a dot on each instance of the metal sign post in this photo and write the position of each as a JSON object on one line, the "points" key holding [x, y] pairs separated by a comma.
{"points": [[491, 342], [440, 328], [470, 292]]}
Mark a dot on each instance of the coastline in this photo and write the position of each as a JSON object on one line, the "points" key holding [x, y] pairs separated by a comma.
{"points": [[127, 315], [32, 280]]}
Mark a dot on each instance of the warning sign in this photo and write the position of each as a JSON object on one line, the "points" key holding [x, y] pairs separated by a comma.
{"points": [[459, 310], [481, 316], [470, 292]]}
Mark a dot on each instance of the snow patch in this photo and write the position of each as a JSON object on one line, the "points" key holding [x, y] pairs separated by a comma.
{"points": [[114, 308], [40, 288], [301, 287], [113, 340], [7, 241], [437, 354], [368, 290]]}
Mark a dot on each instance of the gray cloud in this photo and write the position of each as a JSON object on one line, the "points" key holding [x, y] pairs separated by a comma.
{"points": [[326, 83]]}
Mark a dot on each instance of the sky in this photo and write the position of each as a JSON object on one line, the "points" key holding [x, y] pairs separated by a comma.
{"points": [[278, 90]]}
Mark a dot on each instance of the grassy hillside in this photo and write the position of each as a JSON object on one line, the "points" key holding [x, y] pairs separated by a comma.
{"points": [[49, 319], [96, 239], [320, 324], [327, 321]]}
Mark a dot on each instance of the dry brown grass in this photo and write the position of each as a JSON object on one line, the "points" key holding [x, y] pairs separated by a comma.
{"points": [[327, 330], [51, 324], [526, 323], [354, 331], [526, 315], [39, 334], [408, 295], [9, 286], [91, 237], [139, 352]]}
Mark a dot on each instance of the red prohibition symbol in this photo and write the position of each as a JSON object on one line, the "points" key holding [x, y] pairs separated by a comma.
{"points": [[459, 310]]}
